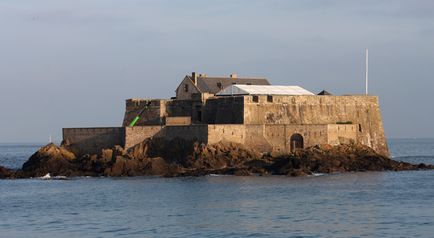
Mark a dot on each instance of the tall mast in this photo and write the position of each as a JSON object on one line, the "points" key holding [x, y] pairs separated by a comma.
{"points": [[366, 71]]}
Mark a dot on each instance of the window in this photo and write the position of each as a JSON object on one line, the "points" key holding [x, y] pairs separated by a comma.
{"points": [[360, 127], [185, 87], [255, 98], [269, 98]]}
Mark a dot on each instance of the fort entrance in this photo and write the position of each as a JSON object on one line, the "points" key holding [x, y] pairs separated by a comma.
{"points": [[296, 142]]}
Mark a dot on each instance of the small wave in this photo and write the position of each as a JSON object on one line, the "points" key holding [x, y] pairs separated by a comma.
{"points": [[317, 174], [49, 177], [218, 175], [215, 175]]}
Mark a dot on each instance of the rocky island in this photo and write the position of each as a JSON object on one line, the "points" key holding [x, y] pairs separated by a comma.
{"points": [[226, 125], [156, 157]]}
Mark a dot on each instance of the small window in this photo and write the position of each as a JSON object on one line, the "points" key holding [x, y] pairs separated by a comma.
{"points": [[255, 98], [269, 98], [249, 83], [360, 127], [185, 87]]}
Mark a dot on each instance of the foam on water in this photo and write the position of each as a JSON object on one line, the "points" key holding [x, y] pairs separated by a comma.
{"points": [[49, 177]]}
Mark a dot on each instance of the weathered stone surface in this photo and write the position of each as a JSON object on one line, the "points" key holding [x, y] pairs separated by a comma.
{"points": [[50, 159]]}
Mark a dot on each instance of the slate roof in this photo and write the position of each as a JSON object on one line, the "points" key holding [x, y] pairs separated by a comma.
{"points": [[324, 92], [263, 90], [211, 84]]}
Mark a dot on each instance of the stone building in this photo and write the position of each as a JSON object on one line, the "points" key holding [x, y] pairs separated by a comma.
{"points": [[248, 111]]}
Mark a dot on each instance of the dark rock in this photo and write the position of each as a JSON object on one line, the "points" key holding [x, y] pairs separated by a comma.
{"points": [[189, 158], [5, 172], [51, 159]]}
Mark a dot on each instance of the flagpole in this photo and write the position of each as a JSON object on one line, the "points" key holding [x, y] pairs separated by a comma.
{"points": [[366, 71]]}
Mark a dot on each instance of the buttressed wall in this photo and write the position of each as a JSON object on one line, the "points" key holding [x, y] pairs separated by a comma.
{"points": [[363, 111]]}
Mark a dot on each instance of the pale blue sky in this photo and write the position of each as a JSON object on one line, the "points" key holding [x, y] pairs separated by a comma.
{"points": [[73, 63]]}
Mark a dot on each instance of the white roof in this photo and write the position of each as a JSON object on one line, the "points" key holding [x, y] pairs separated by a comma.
{"points": [[239, 89]]}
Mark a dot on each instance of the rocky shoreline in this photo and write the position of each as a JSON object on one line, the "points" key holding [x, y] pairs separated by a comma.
{"points": [[185, 158]]}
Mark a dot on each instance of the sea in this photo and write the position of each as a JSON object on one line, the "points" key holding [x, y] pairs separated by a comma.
{"points": [[362, 204]]}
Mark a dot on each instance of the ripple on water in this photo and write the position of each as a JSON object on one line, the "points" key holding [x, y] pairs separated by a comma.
{"points": [[377, 204]]}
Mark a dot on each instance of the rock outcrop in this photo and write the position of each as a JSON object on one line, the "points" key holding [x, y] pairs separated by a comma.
{"points": [[5, 173], [187, 158]]}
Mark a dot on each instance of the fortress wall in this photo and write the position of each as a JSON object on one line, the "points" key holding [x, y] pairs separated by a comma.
{"points": [[178, 108], [189, 133], [224, 110], [230, 133], [93, 140], [152, 115], [341, 134], [137, 134], [276, 136], [360, 110], [279, 135], [255, 138]]}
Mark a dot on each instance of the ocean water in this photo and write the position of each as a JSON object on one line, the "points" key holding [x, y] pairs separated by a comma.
{"points": [[365, 204]]}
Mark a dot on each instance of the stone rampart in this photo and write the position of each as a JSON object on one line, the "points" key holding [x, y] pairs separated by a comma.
{"points": [[137, 134], [362, 111], [93, 140], [278, 136], [153, 114], [224, 110], [264, 138], [228, 132], [190, 133], [341, 134]]}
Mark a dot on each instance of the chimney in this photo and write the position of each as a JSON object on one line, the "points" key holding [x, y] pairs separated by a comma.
{"points": [[194, 77], [234, 76]]}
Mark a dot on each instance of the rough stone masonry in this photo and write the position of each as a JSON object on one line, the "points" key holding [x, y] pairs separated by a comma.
{"points": [[270, 121]]}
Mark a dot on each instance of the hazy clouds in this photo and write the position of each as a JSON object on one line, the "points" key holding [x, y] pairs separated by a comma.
{"points": [[73, 63]]}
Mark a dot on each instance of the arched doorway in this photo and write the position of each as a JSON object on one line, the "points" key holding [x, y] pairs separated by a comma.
{"points": [[296, 142]]}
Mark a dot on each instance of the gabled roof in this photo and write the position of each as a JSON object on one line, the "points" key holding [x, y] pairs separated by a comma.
{"points": [[215, 84], [263, 90]]}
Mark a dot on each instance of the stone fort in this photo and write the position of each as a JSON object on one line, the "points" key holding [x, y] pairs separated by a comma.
{"points": [[249, 111]]}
